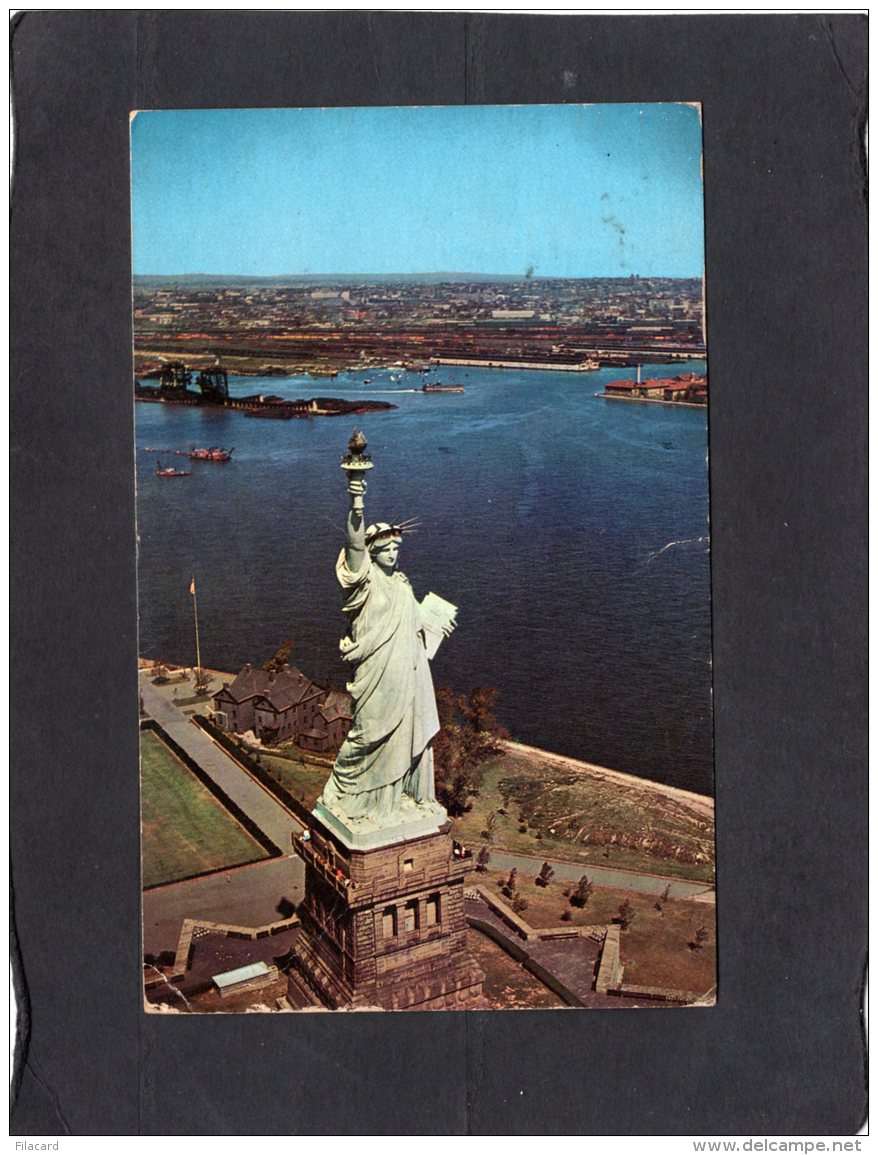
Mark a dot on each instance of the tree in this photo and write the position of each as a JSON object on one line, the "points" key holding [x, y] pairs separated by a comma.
{"points": [[482, 860], [457, 795], [478, 710], [583, 892], [202, 681], [702, 935], [519, 903], [627, 914], [280, 658], [546, 875], [663, 897], [159, 672], [467, 736]]}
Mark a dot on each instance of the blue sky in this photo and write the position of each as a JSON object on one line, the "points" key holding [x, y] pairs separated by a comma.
{"points": [[572, 190]]}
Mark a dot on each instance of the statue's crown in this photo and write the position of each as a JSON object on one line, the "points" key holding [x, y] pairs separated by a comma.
{"points": [[380, 532]]}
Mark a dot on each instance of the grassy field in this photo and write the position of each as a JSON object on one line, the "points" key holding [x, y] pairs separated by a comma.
{"points": [[583, 817], [304, 780], [185, 830], [655, 948]]}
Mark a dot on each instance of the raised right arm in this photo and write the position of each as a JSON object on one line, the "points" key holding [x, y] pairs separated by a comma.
{"points": [[355, 544]]}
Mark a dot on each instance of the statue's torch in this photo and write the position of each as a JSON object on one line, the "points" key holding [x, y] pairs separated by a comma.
{"points": [[356, 464]]}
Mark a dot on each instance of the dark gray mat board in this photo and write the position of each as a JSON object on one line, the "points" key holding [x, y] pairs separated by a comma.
{"points": [[784, 105]]}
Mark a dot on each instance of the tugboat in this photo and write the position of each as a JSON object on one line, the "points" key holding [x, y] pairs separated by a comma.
{"points": [[169, 471], [212, 454]]}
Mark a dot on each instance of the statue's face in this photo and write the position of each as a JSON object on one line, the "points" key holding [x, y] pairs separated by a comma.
{"points": [[387, 555]]}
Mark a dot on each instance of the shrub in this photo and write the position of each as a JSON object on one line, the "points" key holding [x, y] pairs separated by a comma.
{"points": [[627, 915], [701, 937], [582, 893]]}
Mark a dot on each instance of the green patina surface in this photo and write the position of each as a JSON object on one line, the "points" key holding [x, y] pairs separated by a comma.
{"points": [[185, 830]]}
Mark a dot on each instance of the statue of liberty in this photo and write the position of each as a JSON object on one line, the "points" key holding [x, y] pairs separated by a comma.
{"points": [[383, 775]]}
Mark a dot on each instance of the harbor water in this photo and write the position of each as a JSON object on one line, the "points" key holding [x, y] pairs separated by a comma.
{"points": [[570, 531]]}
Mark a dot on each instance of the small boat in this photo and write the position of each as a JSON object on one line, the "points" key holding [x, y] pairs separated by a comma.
{"points": [[212, 454], [169, 471]]}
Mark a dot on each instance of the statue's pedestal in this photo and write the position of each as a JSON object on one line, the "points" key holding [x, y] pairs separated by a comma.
{"points": [[384, 926]]}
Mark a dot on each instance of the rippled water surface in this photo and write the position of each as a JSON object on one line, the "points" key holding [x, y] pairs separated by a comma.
{"points": [[547, 517]]}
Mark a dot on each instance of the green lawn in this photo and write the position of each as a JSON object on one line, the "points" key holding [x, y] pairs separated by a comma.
{"points": [[185, 830], [576, 816], [304, 780]]}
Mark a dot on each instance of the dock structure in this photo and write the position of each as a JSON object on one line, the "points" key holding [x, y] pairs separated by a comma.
{"points": [[586, 366]]}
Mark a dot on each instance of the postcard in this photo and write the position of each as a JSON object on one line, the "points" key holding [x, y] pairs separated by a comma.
{"points": [[380, 352]]}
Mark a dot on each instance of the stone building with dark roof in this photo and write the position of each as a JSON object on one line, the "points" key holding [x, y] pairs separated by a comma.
{"points": [[331, 724], [275, 706]]}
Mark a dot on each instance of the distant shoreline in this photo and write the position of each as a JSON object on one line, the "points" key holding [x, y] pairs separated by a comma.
{"points": [[327, 370]]}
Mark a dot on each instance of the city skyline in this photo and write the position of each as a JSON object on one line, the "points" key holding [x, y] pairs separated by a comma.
{"points": [[549, 191]]}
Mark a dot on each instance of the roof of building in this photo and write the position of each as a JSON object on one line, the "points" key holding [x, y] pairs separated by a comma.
{"points": [[338, 704], [281, 690], [241, 974], [289, 688]]}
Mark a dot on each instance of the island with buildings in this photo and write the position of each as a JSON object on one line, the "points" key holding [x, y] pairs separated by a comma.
{"points": [[685, 389]]}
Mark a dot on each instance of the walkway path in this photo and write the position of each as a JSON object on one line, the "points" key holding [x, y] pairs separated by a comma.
{"points": [[603, 875], [256, 802]]}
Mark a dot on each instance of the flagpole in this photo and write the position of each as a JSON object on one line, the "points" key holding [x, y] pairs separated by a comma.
{"points": [[195, 611]]}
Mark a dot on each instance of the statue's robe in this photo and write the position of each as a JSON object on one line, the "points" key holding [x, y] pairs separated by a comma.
{"points": [[387, 752]]}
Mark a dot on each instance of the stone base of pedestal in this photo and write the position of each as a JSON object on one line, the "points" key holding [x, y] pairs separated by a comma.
{"points": [[384, 927], [364, 834]]}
